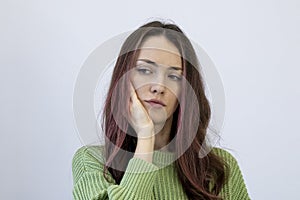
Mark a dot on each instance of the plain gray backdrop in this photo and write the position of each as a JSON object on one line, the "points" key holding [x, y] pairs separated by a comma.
{"points": [[254, 45]]}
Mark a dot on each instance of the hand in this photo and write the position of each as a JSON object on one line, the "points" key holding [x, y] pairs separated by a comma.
{"points": [[138, 116]]}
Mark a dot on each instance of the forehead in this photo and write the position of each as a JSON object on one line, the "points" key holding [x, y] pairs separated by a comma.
{"points": [[160, 50]]}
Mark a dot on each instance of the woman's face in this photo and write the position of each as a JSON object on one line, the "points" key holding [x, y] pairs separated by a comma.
{"points": [[157, 77]]}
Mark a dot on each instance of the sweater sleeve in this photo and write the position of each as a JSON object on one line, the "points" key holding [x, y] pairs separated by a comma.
{"points": [[90, 184], [235, 188]]}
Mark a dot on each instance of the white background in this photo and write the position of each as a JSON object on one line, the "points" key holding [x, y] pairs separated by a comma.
{"points": [[254, 44]]}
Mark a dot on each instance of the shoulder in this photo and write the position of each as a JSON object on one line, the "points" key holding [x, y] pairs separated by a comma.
{"points": [[226, 156], [236, 187], [232, 167], [90, 152], [87, 159]]}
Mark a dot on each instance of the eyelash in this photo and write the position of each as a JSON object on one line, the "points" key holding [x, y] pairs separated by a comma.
{"points": [[173, 77], [177, 78], [141, 70]]}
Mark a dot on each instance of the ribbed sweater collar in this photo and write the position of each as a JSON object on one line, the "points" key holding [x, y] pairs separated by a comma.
{"points": [[163, 158]]}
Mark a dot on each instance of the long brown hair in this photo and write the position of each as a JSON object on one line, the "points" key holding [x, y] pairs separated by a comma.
{"points": [[195, 174]]}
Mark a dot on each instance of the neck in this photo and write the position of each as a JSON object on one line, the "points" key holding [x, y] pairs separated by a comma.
{"points": [[162, 138]]}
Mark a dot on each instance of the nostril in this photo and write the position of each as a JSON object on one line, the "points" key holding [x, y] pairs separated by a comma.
{"points": [[156, 91], [157, 88]]}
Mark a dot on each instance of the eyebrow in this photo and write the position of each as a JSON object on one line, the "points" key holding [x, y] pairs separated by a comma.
{"points": [[156, 65]]}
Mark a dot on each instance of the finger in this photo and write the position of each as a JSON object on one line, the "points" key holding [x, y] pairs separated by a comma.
{"points": [[132, 98], [132, 90], [126, 111], [133, 95]]}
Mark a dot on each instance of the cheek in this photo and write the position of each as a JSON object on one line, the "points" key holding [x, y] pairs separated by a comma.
{"points": [[174, 92], [173, 100], [174, 87], [140, 92]]}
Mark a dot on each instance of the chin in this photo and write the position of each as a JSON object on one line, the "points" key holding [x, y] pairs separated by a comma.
{"points": [[158, 119]]}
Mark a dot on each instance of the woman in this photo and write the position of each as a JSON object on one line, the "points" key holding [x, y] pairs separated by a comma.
{"points": [[155, 119]]}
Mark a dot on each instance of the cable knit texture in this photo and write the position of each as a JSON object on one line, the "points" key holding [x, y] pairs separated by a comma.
{"points": [[143, 180]]}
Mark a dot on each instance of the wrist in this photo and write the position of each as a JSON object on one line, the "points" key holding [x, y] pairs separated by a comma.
{"points": [[145, 131], [144, 148]]}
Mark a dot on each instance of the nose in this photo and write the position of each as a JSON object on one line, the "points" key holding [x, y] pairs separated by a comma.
{"points": [[157, 88], [157, 85]]}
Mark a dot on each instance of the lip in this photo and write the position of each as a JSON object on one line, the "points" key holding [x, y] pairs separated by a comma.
{"points": [[155, 102]]}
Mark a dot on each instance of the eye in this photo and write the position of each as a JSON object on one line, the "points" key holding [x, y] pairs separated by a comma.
{"points": [[175, 77], [144, 70]]}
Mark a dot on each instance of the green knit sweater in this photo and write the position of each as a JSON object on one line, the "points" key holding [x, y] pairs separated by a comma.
{"points": [[156, 182]]}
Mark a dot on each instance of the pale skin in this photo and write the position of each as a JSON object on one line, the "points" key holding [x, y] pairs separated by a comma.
{"points": [[157, 75]]}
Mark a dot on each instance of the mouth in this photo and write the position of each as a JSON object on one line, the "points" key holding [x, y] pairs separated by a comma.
{"points": [[155, 103]]}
